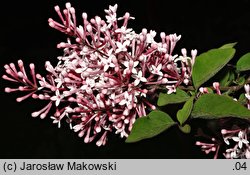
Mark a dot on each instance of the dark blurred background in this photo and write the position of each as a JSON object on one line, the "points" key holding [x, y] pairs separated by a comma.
{"points": [[25, 34]]}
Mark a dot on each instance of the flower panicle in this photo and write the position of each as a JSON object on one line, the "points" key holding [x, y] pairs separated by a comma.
{"points": [[107, 73]]}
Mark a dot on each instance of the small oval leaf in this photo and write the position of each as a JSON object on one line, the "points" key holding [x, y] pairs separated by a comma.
{"points": [[243, 63], [242, 99], [185, 129], [209, 63], [213, 106], [179, 97], [151, 125], [183, 114]]}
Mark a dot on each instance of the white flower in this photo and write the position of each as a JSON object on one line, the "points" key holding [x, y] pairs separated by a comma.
{"points": [[122, 47], [130, 36], [240, 139], [231, 153], [83, 67], [171, 89], [127, 99], [112, 9], [156, 70], [121, 131], [72, 90], [108, 62], [56, 120], [123, 30], [130, 68], [111, 19], [59, 80], [139, 78], [57, 98], [90, 83]]}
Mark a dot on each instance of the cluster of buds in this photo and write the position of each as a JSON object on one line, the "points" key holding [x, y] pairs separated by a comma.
{"points": [[106, 76], [216, 88], [212, 146], [236, 141]]}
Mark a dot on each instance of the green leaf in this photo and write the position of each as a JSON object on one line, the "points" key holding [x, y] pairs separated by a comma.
{"points": [[185, 129], [179, 97], [241, 80], [229, 45], [231, 78], [213, 106], [223, 77], [150, 126], [183, 114], [209, 63], [243, 63], [210, 90], [242, 99]]}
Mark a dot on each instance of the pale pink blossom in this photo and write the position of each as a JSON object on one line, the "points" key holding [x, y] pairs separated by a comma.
{"points": [[57, 97], [102, 82]]}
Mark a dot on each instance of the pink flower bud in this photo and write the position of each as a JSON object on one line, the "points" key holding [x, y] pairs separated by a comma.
{"points": [[35, 114], [84, 16], [163, 35], [20, 63], [68, 5], [98, 20], [193, 53], [144, 31], [57, 8], [89, 28], [247, 88], [72, 10], [184, 52], [7, 90], [127, 15], [216, 85], [32, 66]]}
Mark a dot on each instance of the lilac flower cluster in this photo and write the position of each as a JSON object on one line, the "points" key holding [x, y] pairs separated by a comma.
{"points": [[236, 141], [103, 80]]}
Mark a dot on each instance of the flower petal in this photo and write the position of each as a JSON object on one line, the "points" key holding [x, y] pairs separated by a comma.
{"points": [[57, 102], [123, 102], [236, 139], [136, 82]]}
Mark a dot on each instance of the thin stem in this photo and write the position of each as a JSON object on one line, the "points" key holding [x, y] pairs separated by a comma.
{"points": [[235, 88], [229, 88]]}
